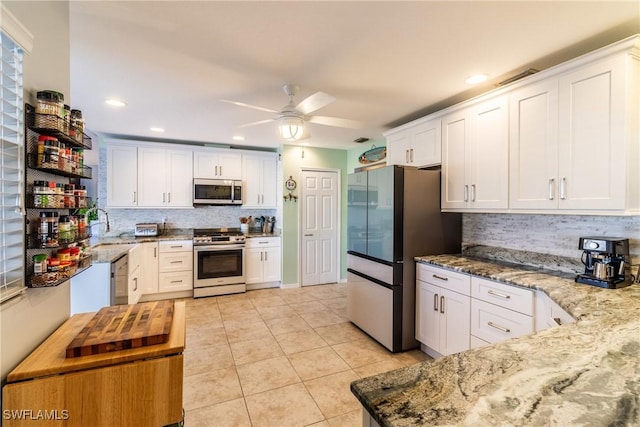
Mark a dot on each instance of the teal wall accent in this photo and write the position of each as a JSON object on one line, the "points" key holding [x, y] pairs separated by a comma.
{"points": [[354, 153], [292, 163]]}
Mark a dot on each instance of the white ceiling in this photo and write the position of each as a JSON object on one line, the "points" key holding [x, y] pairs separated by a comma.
{"points": [[384, 62]]}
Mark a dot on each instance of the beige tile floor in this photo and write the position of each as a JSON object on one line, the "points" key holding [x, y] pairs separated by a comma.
{"points": [[278, 357]]}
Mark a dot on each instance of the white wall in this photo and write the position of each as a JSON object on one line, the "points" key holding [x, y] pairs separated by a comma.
{"points": [[27, 320]]}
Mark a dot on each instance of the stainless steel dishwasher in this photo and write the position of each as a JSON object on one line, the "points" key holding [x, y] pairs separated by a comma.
{"points": [[120, 280]]}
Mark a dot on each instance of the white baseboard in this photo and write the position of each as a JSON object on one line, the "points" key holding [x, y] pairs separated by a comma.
{"points": [[254, 286], [166, 295], [290, 285]]}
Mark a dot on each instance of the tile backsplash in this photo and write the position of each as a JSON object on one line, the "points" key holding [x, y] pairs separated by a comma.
{"points": [[553, 235]]}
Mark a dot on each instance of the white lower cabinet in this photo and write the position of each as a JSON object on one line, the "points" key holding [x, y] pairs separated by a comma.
{"points": [[263, 260], [149, 268], [175, 266], [135, 259], [442, 310], [549, 313], [500, 311]]}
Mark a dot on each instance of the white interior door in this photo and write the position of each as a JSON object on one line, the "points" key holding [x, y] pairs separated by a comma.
{"points": [[319, 227]]}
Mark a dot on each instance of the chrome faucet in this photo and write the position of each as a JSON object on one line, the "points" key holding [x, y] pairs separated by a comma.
{"points": [[97, 209]]}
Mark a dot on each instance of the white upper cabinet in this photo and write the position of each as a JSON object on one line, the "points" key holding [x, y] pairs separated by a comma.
{"points": [[533, 163], [574, 144], [417, 144], [164, 177], [260, 181], [592, 169], [475, 157], [217, 164], [122, 173]]}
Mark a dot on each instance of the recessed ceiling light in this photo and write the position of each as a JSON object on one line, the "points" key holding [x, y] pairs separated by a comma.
{"points": [[476, 78], [157, 129], [115, 102], [238, 138]]}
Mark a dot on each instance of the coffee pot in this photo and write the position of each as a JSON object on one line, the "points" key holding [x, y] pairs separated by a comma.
{"points": [[605, 262]]}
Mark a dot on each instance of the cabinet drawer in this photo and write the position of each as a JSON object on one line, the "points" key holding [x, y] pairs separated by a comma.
{"points": [[175, 261], [176, 245], [262, 242], [494, 324], [511, 297], [177, 281], [456, 282]]}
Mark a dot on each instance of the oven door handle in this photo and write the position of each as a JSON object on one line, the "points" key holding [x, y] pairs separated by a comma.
{"points": [[222, 247]]}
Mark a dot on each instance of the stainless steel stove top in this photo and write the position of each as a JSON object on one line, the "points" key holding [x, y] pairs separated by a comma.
{"points": [[217, 236]]}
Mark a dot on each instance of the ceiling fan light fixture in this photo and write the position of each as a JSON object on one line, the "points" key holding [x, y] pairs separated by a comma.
{"points": [[291, 127]]}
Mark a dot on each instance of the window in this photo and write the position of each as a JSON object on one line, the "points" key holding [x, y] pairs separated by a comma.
{"points": [[11, 170]]}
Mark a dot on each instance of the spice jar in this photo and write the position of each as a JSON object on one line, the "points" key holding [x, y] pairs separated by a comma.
{"points": [[66, 118], [49, 109], [74, 254], [39, 264], [50, 150], [64, 255], [69, 199], [53, 265], [64, 229], [41, 194], [49, 229], [80, 194], [76, 128]]}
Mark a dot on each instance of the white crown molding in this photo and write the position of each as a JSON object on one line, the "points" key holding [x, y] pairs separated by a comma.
{"points": [[14, 29]]}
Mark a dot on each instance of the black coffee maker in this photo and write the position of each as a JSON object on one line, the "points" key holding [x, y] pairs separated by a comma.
{"points": [[605, 260]]}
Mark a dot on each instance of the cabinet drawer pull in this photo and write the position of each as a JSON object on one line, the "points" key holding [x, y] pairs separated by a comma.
{"points": [[442, 304], [176, 262], [498, 294], [551, 182], [435, 302], [176, 246], [176, 281], [440, 277], [563, 190], [501, 328]]}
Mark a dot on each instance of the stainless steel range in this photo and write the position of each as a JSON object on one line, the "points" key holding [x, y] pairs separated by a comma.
{"points": [[218, 261]]}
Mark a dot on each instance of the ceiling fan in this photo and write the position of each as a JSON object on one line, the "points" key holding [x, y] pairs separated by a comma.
{"points": [[291, 118]]}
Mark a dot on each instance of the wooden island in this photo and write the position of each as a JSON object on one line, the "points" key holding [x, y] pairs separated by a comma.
{"points": [[131, 387]]}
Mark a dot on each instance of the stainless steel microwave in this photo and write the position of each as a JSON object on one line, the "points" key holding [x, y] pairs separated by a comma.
{"points": [[217, 192]]}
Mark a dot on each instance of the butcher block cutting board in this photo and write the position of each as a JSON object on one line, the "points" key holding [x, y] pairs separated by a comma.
{"points": [[122, 327]]}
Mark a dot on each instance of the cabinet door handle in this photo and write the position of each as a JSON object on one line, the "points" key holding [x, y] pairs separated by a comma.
{"points": [[498, 294], [473, 192], [220, 170], [500, 328], [135, 287], [266, 256], [261, 256], [155, 252], [406, 156], [557, 320], [442, 304], [168, 197], [435, 302], [563, 184], [411, 155], [551, 185], [258, 202], [466, 193], [216, 172], [163, 197], [440, 277], [134, 197]]}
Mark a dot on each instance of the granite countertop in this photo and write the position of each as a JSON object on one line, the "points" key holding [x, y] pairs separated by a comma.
{"points": [[585, 373]]}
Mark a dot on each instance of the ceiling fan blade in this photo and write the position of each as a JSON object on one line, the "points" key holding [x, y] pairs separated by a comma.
{"points": [[259, 122], [335, 121], [314, 102], [242, 104]]}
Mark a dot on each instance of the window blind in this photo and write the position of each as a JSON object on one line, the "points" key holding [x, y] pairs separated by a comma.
{"points": [[11, 170]]}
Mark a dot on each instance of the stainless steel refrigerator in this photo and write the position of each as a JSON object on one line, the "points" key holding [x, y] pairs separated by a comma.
{"points": [[393, 215]]}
